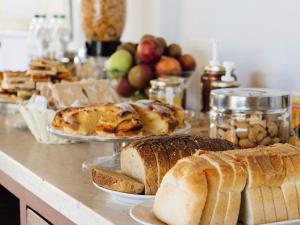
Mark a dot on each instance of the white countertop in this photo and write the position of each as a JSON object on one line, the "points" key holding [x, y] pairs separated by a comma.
{"points": [[53, 173]]}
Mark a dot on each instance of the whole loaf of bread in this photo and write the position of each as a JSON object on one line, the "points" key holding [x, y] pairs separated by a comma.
{"points": [[149, 159]]}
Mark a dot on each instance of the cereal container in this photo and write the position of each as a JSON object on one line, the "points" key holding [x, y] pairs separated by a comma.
{"points": [[250, 116], [103, 20]]}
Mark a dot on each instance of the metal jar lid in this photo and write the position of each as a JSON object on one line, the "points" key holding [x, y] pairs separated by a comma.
{"points": [[214, 69], [244, 99], [167, 82], [224, 84]]}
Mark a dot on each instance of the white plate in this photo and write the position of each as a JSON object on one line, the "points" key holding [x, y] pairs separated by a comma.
{"points": [[143, 214], [130, 199], [108, 138], [109, 162]]}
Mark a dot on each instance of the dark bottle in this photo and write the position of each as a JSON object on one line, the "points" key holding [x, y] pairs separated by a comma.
{"points": [[212, 72]]}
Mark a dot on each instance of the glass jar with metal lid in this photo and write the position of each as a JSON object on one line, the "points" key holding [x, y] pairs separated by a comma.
{"points": [[167, 90], [250, 116]]}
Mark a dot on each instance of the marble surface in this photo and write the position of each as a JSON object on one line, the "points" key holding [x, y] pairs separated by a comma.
{"points": [[53, 173]]}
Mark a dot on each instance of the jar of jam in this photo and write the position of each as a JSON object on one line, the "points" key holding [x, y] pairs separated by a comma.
{"points": [[167, 90], [212, 72]]}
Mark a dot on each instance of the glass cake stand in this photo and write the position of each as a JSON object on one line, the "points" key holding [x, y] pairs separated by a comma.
{"points": [[112, 161]]}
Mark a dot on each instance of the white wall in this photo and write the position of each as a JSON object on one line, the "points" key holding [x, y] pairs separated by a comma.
{"points": [[261, 36]]}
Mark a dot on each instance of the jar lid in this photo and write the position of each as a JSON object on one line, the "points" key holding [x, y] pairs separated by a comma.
{"points": [[101, 48], [214, 69], [167, 82], [243, 99], [224, 84]]}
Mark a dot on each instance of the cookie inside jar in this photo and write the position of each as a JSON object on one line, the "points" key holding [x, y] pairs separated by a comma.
{"points": [[250, 117]]}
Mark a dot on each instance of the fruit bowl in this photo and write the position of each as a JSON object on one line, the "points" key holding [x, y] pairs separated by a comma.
{"points": [[114, 76], [134, 65]]}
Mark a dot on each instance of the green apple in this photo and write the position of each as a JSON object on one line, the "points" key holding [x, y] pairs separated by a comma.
{"points": [[120, 61]]}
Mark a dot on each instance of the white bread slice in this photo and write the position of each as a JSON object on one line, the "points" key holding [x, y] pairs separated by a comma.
{"points": [[162, 160], [213, 181], [143, 160], [116, 181], [226, 176], [239, 182], [296, 163], [266, 189], [288, 187], [182, 195], [252, 207], [276, 183]]}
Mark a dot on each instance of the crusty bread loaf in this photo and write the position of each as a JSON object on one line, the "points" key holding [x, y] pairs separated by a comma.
{"points": [[182, 195], [148, 159], [115, 181], [271, 193], [172, 207]]}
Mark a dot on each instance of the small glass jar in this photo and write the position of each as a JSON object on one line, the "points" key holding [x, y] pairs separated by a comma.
{"points": [[295, 139], [250, 117], [167, 90], [211, 73]]}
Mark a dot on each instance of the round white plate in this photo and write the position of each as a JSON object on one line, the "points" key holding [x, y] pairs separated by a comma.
{"points": [[130, 199], [142, 213], [109, 162], [108, 138]]}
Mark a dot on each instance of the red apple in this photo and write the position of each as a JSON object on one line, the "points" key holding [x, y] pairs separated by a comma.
{"points": [[124, 88], [167, 66], [187, 62], [139, 76], [149, 50]]}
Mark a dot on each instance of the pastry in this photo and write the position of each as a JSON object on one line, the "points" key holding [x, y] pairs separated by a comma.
{"points": [[118, 119], [156, 117]]}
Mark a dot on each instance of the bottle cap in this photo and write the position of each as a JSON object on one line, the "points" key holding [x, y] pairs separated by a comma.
{"points": [[229, 67], [214, 64]]}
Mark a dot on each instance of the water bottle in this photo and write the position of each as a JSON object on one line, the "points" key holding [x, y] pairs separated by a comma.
{"points": [[43, 35], [38, 37], [60, 36], [32, 41]]}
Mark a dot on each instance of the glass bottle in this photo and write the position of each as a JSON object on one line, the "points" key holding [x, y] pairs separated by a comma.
{"points": [[212, 72]]}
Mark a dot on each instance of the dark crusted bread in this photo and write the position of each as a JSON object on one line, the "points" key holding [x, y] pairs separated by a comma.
{"points": [[115, 181], [148, 159]]}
